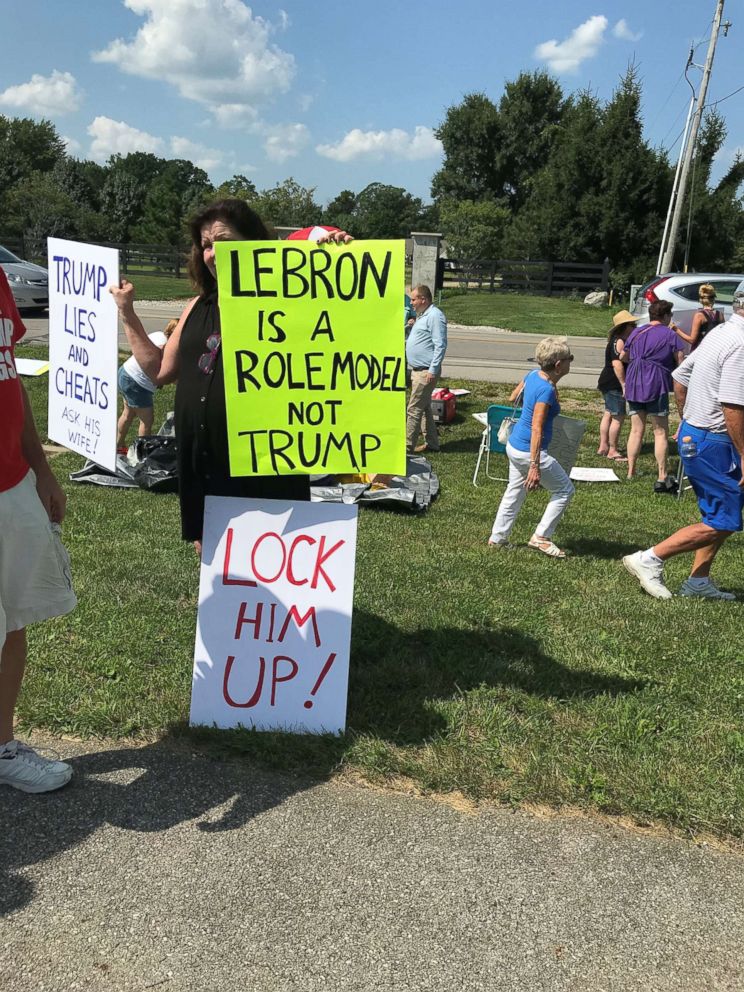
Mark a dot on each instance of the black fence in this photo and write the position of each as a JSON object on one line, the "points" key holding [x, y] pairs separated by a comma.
{"points": [[539, 277], [134, 259]]}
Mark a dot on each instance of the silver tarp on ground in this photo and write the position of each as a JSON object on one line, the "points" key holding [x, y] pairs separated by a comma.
{"points": [[412, 492], [150, 464]]}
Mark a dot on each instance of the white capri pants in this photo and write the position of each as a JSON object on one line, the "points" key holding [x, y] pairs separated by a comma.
{"points": [[552, 477]]}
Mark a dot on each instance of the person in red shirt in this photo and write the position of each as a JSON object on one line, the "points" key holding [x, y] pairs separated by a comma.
{"points": [[35, 581]]}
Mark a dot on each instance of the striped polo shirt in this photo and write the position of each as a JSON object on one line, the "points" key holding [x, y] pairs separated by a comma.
{"points": [[714, 374]]}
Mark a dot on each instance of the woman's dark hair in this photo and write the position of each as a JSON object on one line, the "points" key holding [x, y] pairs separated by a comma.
{"points": [[240, 217], [620, 329], [659, 309]]}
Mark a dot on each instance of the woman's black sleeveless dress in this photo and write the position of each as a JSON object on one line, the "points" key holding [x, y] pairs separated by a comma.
{"points": [[201, 430]]}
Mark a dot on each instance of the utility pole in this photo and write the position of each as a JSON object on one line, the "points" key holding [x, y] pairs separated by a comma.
{"points": [[667, 261]]}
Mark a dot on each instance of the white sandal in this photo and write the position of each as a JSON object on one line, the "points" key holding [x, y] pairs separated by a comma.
{"points": [[545, 545]]}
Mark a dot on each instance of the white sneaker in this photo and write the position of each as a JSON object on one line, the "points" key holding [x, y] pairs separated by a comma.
{"points": [[651, 577], [24, 769], [708, 591]]}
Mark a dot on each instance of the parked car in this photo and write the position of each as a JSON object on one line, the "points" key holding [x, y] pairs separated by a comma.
{"points": [[29, 283], [681, 289]]}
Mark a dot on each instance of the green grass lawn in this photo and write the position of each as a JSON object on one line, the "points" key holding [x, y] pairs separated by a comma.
{"points": [[528, 314], [152, 287], [502, 674], [515, 311]]}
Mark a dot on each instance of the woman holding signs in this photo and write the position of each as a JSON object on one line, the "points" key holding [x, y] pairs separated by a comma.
{"points": [[193, 358]]}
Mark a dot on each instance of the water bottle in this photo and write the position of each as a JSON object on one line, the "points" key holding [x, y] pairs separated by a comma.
{"points": [[688, 447]]}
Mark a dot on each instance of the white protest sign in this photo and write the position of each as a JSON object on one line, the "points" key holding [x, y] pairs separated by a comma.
{"points": [[83, 349], [274, 624]]}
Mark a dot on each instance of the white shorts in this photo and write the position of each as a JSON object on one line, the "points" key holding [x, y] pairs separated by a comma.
{"points": [[35, 577]]}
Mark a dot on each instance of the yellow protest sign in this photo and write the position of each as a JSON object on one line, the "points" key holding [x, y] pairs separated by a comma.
{"points": [[313, 353]]}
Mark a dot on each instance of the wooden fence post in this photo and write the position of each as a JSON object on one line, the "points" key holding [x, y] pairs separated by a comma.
{"points": [[549, 284]]}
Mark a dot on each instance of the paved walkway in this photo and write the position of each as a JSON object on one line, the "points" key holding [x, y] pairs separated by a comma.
{"points": [[161, 868]]}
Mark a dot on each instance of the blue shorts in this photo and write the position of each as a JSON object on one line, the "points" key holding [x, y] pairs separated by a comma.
{"points": [[134, 394], [657, 408], [615, 403], [714, 474]]}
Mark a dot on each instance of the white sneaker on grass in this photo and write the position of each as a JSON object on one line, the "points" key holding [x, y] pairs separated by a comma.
{"points": [[651, 577], [23, 768], [707, 591]]}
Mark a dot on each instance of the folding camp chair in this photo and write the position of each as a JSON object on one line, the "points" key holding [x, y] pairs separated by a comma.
{"points": [[682, 482], [490, 444]]}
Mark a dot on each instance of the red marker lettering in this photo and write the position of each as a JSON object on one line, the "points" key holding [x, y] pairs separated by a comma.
{"points": [[265, 537], [323, 557], [255, 622], [226, 580], [308, 704], [294, 614], [303, 538], [259, 685], [276, 678]]}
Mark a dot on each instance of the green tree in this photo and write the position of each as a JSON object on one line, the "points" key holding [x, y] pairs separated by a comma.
{"points": [[37, 208], [81, 181], [384, 211], [27, 146], [238, 186], [561, 217], [470, 135], [717, 220], [635, 181], [162, 215], [530, 113], [474, 230], [341, 211], [122, 199], [288, 205]]}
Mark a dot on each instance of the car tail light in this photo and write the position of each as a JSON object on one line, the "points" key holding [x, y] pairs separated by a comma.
{"points": [[649, 293]]}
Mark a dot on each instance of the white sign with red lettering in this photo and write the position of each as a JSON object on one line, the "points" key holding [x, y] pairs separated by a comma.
{"points": [[274, 624]]}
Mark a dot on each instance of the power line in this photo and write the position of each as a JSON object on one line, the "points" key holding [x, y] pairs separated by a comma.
{"points": [[726, 97]]}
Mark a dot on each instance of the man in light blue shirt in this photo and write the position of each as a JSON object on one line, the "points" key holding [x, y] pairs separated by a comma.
{"points": [[425, 350]]}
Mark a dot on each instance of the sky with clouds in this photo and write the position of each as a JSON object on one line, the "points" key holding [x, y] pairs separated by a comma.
{"points": [[341, 93]]}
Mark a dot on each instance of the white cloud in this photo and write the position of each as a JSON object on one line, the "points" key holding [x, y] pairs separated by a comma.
{"points": [[213, 51], [384, 144], [234, 115], [203, 157], [623, 32], [583, 43], [45, 95], [72, 147], [110, 137], [284, 20], [283, 141]]}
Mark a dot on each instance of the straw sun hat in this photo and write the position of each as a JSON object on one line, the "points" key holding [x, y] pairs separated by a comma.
{"points": [[623, 318]]}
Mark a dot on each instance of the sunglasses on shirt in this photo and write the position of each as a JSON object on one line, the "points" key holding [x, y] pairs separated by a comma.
{"points": [[207, 360]]}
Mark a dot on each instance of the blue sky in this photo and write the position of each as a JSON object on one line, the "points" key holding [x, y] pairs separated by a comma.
{"points": [[337, 94]]}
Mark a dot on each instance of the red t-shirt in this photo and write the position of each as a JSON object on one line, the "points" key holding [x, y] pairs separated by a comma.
{"points": [[13, 466]]}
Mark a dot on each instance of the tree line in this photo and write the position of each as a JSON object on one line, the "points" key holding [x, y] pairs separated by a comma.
{"points": [[543, 175], [538, 175], [140, 197]]}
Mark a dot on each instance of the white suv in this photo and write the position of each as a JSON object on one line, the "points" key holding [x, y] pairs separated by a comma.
{"points": [[681, 289]]}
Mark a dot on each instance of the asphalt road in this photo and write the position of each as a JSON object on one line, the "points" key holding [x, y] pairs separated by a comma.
{"points": [[481, 353], [161, 868]]}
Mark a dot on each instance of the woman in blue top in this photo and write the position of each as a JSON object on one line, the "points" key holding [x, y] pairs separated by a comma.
{"points": [[530, 465]]}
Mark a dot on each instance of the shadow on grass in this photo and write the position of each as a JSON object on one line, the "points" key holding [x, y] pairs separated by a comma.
{"points": [[470, 444], [395, 678], [588, 547]]}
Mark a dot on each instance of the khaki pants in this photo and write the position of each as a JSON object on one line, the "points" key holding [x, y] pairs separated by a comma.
{"points": [[419, 418]]}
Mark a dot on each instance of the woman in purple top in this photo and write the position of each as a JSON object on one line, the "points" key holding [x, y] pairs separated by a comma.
{"points": [[652, 351]]}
